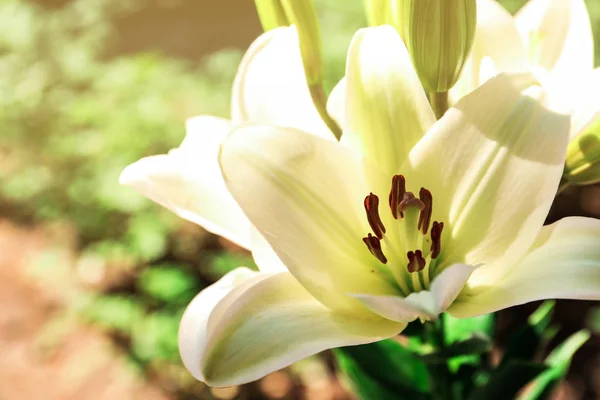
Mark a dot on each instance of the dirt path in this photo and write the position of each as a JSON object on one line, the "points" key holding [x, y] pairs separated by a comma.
{"points": [[45, 353]]}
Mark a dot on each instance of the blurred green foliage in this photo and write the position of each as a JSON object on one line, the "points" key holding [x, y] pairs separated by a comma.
{"points": [[71, 120]]}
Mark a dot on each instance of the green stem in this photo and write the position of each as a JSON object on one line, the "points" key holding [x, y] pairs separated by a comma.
{"points": [[439, 103], [271, 14], [442, 378]]}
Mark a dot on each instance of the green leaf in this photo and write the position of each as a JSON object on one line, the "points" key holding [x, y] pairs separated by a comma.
{"points": [[168, 283], [456, 329], [527, 341], [477, 343], [593, 320], [558, 361], [384, 370], [118, 313], [155, 336], [507, 380], [223, 262]]}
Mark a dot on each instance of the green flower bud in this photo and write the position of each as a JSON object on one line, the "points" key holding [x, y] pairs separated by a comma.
{"points": [[439, 35], [582, 165]]}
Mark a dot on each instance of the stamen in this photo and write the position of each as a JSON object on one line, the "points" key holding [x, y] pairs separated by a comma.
{"points": [[397, 194], [425, 216], [372, 208], [436, 239], [409, 200], [416, 262], [374, 246]]}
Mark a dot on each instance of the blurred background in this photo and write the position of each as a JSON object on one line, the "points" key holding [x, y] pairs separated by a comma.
{"points": [[93, 277]]}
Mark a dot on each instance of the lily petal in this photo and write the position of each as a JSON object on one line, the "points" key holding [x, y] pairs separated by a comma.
{"points": [[387, 110], [563, 263], [497, 48], [336, 103], [586, 103], [426, 304], [263, 324], [188, 181], [473, 160], [305, 195], [193, 333], [264, 256], [559, 36], [270, 86]]}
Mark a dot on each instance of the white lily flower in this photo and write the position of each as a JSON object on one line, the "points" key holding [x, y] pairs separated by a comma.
{"points": [[459, 229], [270, 88], [551, 38]]}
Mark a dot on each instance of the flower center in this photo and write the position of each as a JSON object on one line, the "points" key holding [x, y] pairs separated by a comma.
{"points": [[413, 253]]}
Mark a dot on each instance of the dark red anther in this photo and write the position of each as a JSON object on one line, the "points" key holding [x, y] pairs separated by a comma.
{"points": [[372, 208], [416, 262], [425, 215], [436, 238], [397, 194], [374, 246], [409, 200]]}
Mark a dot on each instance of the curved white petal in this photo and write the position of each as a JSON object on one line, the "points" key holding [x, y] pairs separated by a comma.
{"points": [[305, 195], [563, 263], [493, 164], [264, 256], [336, 103], [559, 36], [586, 103], [188, 181], [387, 111], [497, 48], [263, 324], [270, 86], [426, 304]]}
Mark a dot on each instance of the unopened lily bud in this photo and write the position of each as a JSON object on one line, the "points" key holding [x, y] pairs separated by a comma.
{"points": [[582, 165], [439, 35], [271, 14]]}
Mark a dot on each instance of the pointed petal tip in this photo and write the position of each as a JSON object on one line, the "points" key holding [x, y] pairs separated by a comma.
{"points": [[137, 174]]}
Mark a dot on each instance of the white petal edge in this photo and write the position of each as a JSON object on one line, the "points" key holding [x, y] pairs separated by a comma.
{"points": [[305, 195], [270, 86], [262, 324], [188, 181], [387, 110], [563, 263], [264, 256], [426, 304], [336, 103], [473, 162], [586, 103]]}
